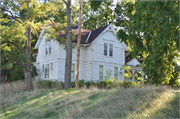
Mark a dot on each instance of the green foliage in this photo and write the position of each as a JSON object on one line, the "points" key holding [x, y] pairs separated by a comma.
{"points": [[127, 73], [101, 16], [33, 71], [95, 4], [108, 74], [128, 84], [49, 84], [138, 77], [153, 33], [16, 73], [15, 20], [81, 84]]}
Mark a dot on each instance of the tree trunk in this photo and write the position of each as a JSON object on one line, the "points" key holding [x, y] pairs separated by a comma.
{"points": [[68, 62], [78, 47], [3, 74], [27, 67], [27, 73]]}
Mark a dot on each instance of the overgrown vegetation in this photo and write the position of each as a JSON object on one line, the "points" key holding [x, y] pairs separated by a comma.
{"points": [[151, 31], [148, 102]]}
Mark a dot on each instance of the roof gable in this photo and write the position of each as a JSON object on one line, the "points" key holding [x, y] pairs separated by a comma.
{"points": [[40, 38], [95, 33], [132, 62], [87, 36]]}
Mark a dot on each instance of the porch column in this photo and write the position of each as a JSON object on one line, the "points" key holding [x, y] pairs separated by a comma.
{"points": [[142, 77], [133, 75]]}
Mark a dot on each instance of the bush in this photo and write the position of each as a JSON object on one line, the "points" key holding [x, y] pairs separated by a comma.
{"points": [[81, 84], [49, 84], [99, 84]]}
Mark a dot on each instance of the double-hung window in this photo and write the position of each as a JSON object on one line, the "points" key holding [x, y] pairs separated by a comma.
{"points": [[49, 47], [115, 72], [47, 71], [100, 72], [105, 49], [72, 71], [108, 49]]}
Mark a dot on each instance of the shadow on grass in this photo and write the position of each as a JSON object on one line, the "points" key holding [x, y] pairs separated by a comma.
{"points": [[26, 106], [173, 109], [113, 103], [119, 103]]}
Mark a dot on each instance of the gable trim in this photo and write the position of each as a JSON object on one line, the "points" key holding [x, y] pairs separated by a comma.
{"points": [[88, 36], [39, 39], [102, 33], [132, 60]]}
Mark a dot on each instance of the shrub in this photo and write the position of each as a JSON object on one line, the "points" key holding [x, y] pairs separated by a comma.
{"points": [[49, 84], [109, 83]]}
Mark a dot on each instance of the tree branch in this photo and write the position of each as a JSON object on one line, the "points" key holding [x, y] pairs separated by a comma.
{"points": [[54, 25], [65, 2], [13, 17], [14, 45]]}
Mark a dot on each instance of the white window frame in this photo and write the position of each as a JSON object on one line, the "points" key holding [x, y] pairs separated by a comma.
{"points": [[49, 47], [101, 72], [112, 50], [106, 50], [46, 68]]}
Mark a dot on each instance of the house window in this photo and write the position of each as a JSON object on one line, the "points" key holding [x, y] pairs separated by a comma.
{"points": [[49, 47], [72, 71], [43, 68], [115, 72], [110, 50], [47, 71], [51, 66], [100, 72], [46, 48], [105, 49]]}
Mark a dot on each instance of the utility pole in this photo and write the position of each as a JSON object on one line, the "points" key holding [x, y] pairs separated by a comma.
{"points": [[78, 47]]}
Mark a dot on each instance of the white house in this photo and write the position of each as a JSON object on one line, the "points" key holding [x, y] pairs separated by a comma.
{"points": [[100, 50]]}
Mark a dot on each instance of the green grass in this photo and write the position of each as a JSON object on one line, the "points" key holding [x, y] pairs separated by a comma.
{"points": [[148, 102]]}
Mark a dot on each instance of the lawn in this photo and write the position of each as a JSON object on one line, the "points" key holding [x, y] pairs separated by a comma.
{"points": [[147, 102]]}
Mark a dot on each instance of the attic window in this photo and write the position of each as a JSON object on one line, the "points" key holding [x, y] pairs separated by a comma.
{"points": [[109, 27], [48, 47]]}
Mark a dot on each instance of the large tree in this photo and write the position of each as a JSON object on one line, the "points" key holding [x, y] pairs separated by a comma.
{"points": [[25, 15], [153, 32]]}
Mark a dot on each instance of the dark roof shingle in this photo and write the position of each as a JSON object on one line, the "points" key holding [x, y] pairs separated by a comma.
{"points": [[128, 60]]}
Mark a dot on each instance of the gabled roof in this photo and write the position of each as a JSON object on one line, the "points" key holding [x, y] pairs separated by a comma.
{"points": [[87, 36], [92, 35], [128, 60], [132, 62], [84, 35], [95, 33]]}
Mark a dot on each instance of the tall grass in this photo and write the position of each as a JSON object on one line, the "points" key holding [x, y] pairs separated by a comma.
{"points": [[148, 102]]}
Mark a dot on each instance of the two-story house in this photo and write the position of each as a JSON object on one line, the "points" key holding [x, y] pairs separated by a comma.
{"points": [[100, 50]]}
